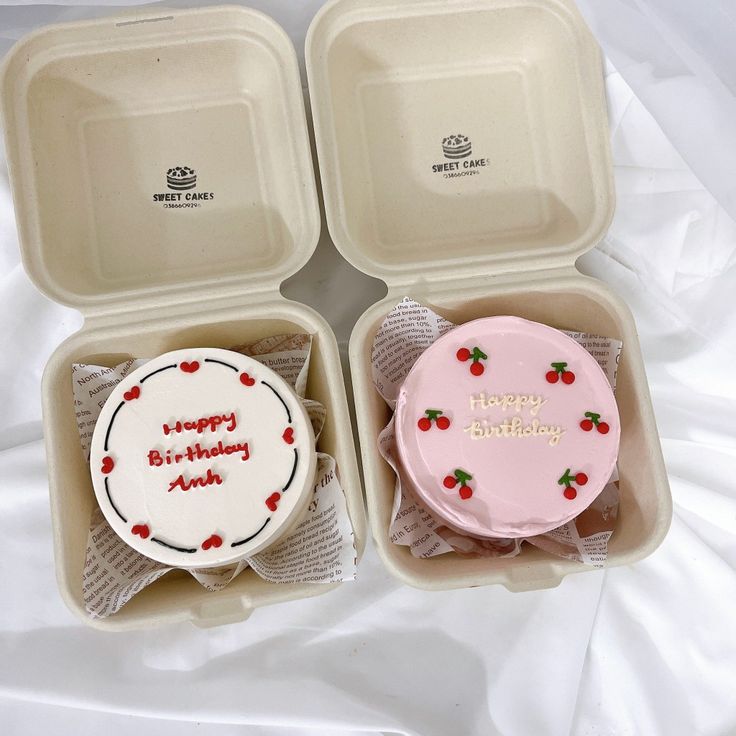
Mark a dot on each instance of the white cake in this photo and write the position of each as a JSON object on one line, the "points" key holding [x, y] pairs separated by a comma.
{"points": [[202, 457]]}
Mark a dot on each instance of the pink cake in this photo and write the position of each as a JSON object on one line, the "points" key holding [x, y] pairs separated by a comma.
{"points": [[507, 428]]}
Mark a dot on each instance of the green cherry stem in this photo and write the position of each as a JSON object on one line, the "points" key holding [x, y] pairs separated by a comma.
{"points": [[432, 414], [559, 367], [478, 355], [567, 479], [462, 477], [595, 418]]}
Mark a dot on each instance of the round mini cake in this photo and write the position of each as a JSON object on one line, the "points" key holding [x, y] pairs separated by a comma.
{"points": [[507, 428], [202, 457]]}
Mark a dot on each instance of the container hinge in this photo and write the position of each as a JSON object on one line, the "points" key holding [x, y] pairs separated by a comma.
{"points": [[147, 309]]}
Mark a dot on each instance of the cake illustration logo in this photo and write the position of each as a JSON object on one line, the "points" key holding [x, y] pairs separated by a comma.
{"points": [[457, 146], [458, 160], [181, 178]]}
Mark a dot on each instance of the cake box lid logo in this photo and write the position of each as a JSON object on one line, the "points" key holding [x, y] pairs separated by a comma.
{"points": [[457, 150], [457, 146], [181, 182], [181, 178]]}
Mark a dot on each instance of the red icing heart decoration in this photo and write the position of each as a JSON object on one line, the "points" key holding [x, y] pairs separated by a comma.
{"points": [[141, 530], [214, 541], [273, 501], [246, 380], [192, 367], [288, 435], [133, 394], [107, 465]]}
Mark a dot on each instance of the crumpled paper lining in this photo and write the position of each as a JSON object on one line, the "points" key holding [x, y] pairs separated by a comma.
{"points": [[320, 549], [408, 330]]}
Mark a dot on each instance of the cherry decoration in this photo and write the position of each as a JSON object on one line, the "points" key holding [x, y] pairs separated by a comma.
{"points": [[560, 372], [436, 416], [594, 420], [459, 477], [443, 423], [567, 480], [477, 368]]}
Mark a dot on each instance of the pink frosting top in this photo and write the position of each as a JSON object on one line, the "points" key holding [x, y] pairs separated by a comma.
{"points": [[507, 428]]}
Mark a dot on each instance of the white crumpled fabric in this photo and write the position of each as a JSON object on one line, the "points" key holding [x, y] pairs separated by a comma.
{"points": [[648, 649]]}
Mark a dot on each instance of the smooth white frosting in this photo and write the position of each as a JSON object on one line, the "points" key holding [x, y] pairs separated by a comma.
{"points": [[202, 457]]}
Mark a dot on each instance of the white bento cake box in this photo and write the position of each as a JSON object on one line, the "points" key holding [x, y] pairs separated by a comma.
{"points": [[106, 122], [465, 161]]}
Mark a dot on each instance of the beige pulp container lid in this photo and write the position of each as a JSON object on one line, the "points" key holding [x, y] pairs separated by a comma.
{"points": [[159, 158], [459, 138]]}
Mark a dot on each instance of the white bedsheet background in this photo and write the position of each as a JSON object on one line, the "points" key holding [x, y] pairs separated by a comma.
{"points": [[649, 649]]}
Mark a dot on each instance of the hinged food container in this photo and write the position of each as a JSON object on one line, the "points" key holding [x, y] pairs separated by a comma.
{"points": [[163, 186], [464, 154]]}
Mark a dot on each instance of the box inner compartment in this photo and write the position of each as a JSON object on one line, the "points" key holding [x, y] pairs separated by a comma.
{"points": [[106, 128], [406, 92]]}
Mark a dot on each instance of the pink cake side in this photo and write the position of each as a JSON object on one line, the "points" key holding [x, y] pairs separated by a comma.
{"points": [[507, 428]]}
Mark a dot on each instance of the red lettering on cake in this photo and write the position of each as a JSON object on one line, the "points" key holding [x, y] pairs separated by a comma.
{"points": [[195, 452], [198, 482], [227, 421]]}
